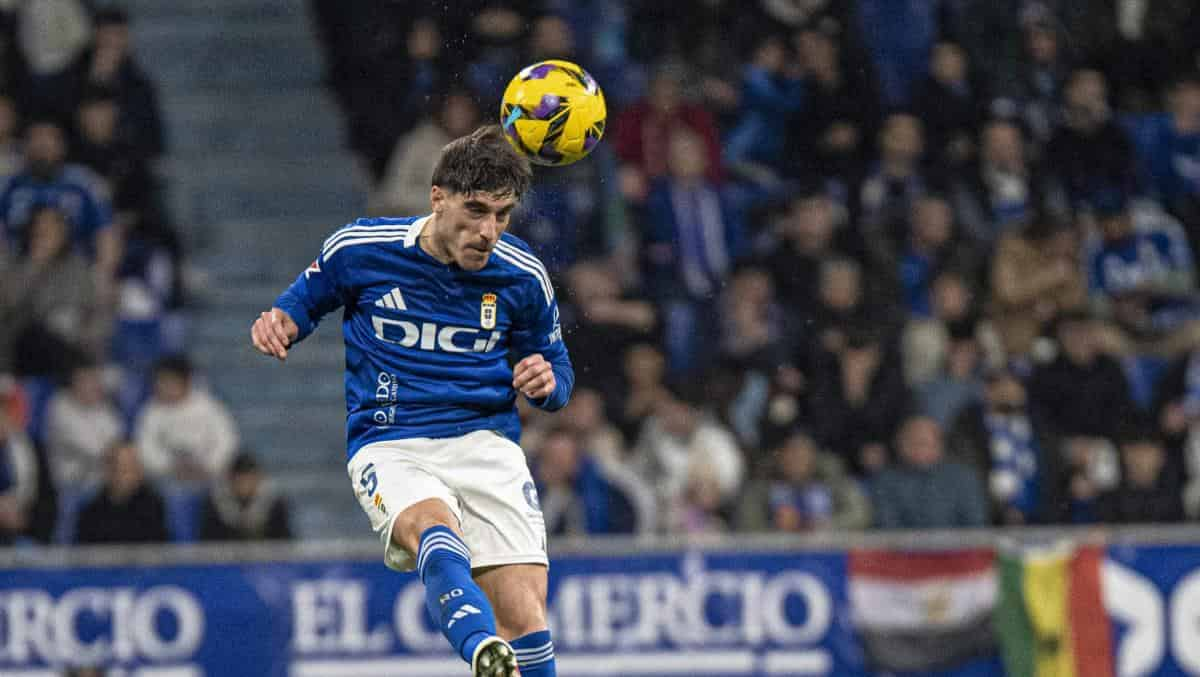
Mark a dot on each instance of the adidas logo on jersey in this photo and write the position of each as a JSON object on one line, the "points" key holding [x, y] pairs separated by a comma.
{"points": [[463, 611], [393, 300]]}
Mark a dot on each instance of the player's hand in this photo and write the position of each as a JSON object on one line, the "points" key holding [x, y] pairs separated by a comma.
{"points": [[273, 332], [533, 377]]}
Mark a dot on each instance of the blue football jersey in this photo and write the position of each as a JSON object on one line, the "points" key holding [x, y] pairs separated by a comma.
{"points": [[428, 344]]}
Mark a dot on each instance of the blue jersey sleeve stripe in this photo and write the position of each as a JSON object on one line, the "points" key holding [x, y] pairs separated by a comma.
{"points": [[530, 264], [360, 240], [543, 282], [361, 231]]}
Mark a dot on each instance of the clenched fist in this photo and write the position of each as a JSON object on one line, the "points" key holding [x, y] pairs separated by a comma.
{"points": [[533, 377], [273, 332]]}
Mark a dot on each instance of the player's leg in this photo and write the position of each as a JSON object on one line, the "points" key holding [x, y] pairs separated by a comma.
{"points": [[518, 594], [429, 531], [502, 521], [418, 519]]}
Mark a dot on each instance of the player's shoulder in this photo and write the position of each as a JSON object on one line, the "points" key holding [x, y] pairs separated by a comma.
{"points": [[366, 231], [515, 255]]}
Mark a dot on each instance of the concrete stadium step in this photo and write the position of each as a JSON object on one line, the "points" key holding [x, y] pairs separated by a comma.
{"points": [[323, 504], [188, 56], [143, 10], [290, 123]]}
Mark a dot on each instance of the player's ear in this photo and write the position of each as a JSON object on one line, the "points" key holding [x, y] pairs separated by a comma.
{"points": [[437, 199]]}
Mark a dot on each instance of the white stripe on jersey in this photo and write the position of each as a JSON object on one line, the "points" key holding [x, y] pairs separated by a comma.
{"points": [[361, 240], [362, 231], [529, 264]]}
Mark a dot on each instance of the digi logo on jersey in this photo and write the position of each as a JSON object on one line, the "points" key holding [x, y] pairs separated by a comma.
{"points": [[432, 336]]}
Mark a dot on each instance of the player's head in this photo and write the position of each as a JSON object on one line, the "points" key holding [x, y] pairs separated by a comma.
{"points": [[476, 185]]}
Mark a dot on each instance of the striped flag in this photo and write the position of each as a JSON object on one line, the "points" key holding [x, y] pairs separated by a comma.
{"points": [[1051, 617], [923, 611]]}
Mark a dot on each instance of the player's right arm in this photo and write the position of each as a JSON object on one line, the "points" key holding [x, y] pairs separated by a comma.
{"points": [[298, 310]]}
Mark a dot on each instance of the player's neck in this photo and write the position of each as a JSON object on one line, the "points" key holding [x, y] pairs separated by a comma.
{"points": [[431, 244]]}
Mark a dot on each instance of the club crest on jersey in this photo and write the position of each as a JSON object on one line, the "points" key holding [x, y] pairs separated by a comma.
{"points": [[487, 311]]}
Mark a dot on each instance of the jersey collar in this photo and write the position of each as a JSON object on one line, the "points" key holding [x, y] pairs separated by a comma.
{"points": [[415, 230]]}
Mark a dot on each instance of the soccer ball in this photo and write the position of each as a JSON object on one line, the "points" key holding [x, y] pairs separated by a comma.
{"points": [[553, 113]]}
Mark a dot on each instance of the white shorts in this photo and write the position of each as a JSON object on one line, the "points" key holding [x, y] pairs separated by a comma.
{"points": [[482, 476]]}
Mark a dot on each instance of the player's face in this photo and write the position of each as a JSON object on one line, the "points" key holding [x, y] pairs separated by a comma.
{"points": [[471, 225]]}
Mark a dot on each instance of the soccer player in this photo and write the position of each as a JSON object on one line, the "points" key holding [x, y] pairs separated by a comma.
{"points": [[434, 306]]}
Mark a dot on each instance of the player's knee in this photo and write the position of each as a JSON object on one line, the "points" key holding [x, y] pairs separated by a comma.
{"points": [[416, 519]]}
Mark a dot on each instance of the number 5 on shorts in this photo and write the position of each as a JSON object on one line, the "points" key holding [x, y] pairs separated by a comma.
{"points": [[368, 480]]}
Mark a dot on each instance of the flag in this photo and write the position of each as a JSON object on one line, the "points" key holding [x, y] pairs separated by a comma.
{"points": [[923, 611], [1050, 617]]}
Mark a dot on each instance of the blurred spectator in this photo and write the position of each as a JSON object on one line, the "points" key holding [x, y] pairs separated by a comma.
{"points": [[81, 425], [51, 36], [404, 188], [243, 505], [930, 244], [1176, 409], [804, 238], [856, 398], [630, 506], [1138, 44], [603, 322], [184, 433], [924, 490], [643, 133], [1143, 269], [958, 383], [84, 672], [841, 303], [948, 102], [1035, 275], [1168, 146], [75, 191], [644, 368], [1003, 191], [50, 310], [150, 298], [899, 36], [1083, 393], [1089, 149], [830, 134], [691, 242], [127, 509], [756, 332], [771, 91], [680, 437], [18, 480], [698, 510], [1030, 87], [111, 66], [102, 146], [1001, 441], [10, 142], [383, 62], [578, 495], [925, 341], [886, 195], [1147, 493], [807, 490]]}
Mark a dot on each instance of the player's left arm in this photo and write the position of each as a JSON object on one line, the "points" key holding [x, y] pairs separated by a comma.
{"points": [[544, 373]]}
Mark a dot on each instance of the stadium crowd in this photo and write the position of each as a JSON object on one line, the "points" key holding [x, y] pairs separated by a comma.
{"points": [[847, 265], [105, 435], [837, 264]]}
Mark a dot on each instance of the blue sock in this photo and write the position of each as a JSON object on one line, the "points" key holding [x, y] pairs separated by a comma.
{"points": [[454, 601], [535, 654]]}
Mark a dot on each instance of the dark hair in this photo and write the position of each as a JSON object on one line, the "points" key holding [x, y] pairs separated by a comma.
{"points": [[483, 162], [179, 365], [243, 463], [111, 15]]}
